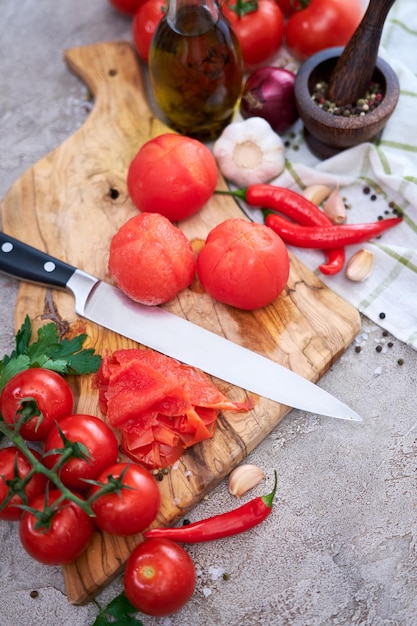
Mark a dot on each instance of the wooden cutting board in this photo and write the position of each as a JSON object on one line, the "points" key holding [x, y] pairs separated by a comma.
{"points": [[71, 203]]}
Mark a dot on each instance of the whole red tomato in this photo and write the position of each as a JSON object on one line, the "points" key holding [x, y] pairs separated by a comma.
{"points": [[127, 7], [172, 175], [12, 459], [131, 509], [243, 264], [67, 536], [95, 435], [40, 393], [160, 577], [259, 31], [288, 6], [323, 24], [144, 24]]}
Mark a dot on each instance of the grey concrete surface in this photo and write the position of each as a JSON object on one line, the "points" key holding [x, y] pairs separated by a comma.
{"points": [[340, 546]]}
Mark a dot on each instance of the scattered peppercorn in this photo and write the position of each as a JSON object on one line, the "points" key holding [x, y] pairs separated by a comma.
{"points": [[378, 348], [34, 594], [382, 316], [366, 190], [373, 197], [185, 522], [226, 576], [390, 344], [358, 348], [385, 333], [400, 361]]}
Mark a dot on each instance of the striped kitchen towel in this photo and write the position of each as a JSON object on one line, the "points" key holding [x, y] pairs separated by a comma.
{"points": [[374, 178]]}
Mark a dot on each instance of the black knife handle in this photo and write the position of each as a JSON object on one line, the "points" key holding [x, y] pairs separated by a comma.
{"points": [[29, 264]]}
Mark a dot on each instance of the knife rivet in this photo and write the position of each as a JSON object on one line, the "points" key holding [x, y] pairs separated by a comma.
{"points": [[7, 247], [49, 266]]}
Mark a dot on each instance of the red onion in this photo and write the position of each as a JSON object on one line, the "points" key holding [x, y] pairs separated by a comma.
{"points": [[269, 93]]}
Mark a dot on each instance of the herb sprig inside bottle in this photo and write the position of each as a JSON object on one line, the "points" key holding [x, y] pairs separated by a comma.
{"points": [[196, 68]]}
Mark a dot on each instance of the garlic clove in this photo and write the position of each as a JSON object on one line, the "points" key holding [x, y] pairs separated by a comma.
{"points": [[245, 477], [317, 193], [335, 208], [360, 265]]}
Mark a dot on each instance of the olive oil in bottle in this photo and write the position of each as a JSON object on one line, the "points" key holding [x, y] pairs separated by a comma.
{"points": [[196, 68]]}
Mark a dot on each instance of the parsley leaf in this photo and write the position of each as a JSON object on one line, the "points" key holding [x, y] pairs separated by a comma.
{"points": [[65, 356], [119, 612]]}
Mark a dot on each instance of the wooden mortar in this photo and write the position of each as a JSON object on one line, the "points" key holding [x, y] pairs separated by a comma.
{"points": [[327, 134], [347, 71]]}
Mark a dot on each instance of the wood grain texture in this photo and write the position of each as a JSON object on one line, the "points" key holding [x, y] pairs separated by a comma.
{"points": [[64, 205]]}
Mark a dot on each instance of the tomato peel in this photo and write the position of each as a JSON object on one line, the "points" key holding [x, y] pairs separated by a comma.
{"points": [[176, 407]]}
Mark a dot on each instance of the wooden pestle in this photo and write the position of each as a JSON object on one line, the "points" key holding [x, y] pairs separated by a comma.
{"points": [[353, 72]]}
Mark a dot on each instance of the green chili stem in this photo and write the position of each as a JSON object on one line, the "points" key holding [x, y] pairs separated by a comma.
{"points": [[237, 193], [269, 498]]}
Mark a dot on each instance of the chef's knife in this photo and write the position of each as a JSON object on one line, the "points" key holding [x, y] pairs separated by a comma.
{"points": [[170, 334]]}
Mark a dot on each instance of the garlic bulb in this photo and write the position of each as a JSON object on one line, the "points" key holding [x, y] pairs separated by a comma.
{"points": [[249, 152], [245, 477]]}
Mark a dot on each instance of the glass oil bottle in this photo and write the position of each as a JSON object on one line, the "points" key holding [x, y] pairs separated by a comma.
{"points": [[196, 68]]}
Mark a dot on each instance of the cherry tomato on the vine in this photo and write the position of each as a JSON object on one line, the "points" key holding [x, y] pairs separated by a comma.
{"points": [[131, 509], [145, 21], [323, 24], [12, 459], [160, 577], [127, 7], [259, 31], [39, 392], [95, 435], [64, 540]]}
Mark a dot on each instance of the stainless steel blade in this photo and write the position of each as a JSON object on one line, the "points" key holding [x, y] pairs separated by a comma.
{"points": [[187, 342], [174, 336]]}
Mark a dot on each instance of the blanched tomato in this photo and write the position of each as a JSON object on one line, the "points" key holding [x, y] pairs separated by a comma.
{"points": [[43, 396], [243, 264], [160, 577], [172, 175], [150, 259], [14, 467], [99, 440], [132, 508]]}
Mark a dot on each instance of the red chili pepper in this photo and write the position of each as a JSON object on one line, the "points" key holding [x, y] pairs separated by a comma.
{"points": [[296, 207], [219, 526], [328, 236]]}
